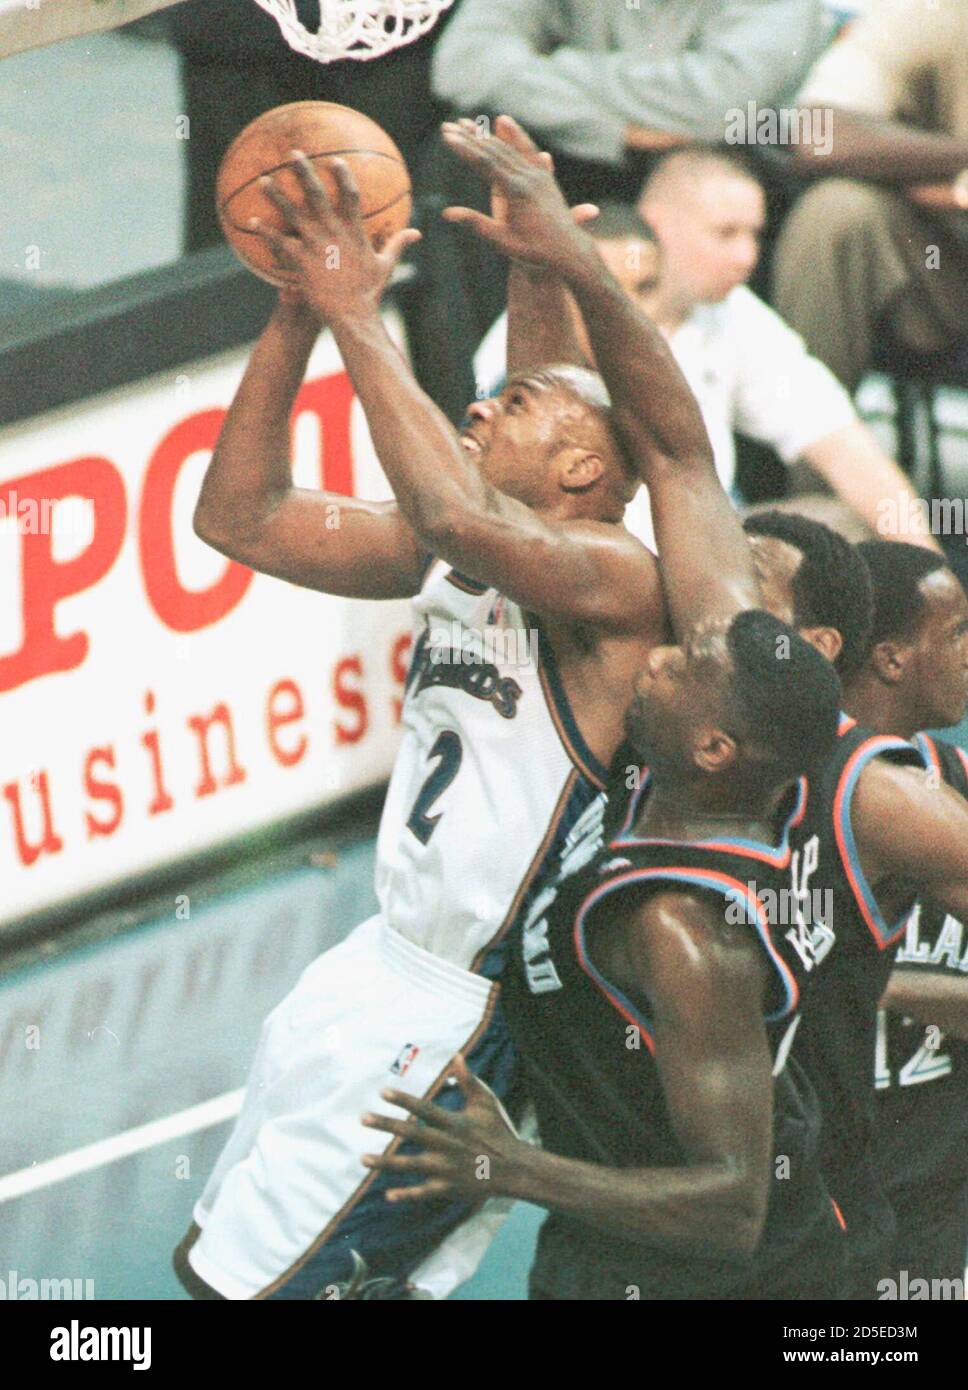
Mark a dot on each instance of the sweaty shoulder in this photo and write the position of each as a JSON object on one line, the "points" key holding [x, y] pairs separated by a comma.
{"points": [[677, 935], [613, 538], [624, 571]]}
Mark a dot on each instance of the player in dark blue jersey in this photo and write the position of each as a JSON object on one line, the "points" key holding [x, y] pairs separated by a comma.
{"points": [[879, 827], [653, 998], [916, 677], [878, 830]]}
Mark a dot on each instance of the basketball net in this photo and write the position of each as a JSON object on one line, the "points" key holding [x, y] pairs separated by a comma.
{"points": [[355, 28]]}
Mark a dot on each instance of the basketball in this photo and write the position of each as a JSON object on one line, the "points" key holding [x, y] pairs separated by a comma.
{"points": [[321, 129]]}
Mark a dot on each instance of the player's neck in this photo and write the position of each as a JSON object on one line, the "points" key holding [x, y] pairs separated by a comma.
{"points": [[881, 708], [690, 811]]}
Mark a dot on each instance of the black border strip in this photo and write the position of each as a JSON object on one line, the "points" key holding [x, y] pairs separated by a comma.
{"points": [[69, 349]]}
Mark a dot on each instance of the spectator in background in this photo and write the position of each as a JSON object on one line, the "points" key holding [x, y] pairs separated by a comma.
{"points": [[881, 242], [750, 373], [585, 78], [603, 86], [236, 64]]}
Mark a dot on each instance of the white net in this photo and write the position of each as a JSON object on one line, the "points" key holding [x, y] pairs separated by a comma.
{"points": [[355, 28]]}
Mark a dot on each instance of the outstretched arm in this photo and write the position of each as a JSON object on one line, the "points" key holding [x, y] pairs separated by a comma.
{"points": [[873, 147], [933, 997], [249, 509], [912, 834], [856, 468], [541, 323], [714, 1061], [586, 572], [703, 551]]}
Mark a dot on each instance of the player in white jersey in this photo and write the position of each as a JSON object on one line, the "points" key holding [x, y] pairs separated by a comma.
{"points": [[534, 619]]}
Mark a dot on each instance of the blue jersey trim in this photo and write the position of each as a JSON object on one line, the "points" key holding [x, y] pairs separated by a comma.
{"points": [[561, 711], [883, 932], [777, 855]]}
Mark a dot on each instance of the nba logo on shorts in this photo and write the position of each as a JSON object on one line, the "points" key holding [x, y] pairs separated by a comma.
{"points": [[405, 1059]]}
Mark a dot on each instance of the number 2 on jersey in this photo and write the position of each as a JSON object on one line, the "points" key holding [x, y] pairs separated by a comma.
{"points": [[449, 751]]}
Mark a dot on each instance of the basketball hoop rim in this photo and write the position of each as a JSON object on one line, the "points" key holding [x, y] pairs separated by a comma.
{"points": [[356, 29]]}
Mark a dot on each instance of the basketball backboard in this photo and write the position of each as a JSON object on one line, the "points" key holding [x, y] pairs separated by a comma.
{"points": [[32, 23]]}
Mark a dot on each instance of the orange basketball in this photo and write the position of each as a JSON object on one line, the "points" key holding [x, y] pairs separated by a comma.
{"points": [[320, 129]]}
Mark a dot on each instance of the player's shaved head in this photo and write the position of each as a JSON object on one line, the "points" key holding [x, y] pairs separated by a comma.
{"points": [[707, 211], [591, 390], [587, 385], [749, 698]]}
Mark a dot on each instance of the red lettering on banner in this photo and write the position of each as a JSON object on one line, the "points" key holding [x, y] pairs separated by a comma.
{"points": [[47, 581], [181, 609], [277, 718], [399, 662], [350, 699], [101, 791], [330, 399], [162, 801], [284, 705], [201, 724], [52, 842]]}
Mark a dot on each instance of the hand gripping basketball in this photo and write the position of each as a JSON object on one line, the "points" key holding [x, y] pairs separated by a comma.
{"points": [[323, 247]]}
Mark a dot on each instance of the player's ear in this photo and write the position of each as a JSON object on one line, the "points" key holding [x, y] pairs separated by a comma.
{"points": [[579, 469], [714, 750], [827, 641], [890, 661]]}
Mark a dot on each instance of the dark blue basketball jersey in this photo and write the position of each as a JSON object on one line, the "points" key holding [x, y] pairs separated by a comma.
{"points": [[587, 1048], [835, 1042], [921, 1075]]}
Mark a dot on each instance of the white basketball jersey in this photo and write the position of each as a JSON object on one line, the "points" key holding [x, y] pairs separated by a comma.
{"points": [[491, 775]]}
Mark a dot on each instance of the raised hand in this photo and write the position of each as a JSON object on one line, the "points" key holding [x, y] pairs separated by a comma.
{"points": [[507, 129], [530, 220], [324, 244]]}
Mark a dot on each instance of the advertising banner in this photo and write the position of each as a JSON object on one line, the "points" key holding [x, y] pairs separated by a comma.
{"points": [[157, 699]]}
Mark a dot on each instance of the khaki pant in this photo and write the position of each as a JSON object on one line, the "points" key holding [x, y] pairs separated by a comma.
{"points": [[854, 261]]}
